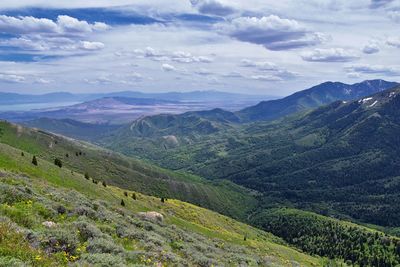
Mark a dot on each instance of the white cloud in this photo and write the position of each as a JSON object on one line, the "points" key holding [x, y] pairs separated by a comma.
{"points": [[269, 67], [167, 67], [374, 69], [330, 55], [63, 25], [203, 72], [11, 78], [272, 32], [393, 41], [43, 81], [86, 45], [213, 7], [371, 48], [266, 78]]}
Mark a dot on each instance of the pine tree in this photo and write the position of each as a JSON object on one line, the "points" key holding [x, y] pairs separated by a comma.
{"points": [[34, 161], [58, 162]]}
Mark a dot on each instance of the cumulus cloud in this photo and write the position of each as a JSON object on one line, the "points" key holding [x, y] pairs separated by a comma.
{"points": [[213, 7], [371, 48], [374, 69], [330, 55], [393, 41], [272, 32], [168, 67], [86, 45], [42, 35], [63, 25]]}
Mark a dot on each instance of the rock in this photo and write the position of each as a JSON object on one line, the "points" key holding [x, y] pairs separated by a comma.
{"points": [[152, 215], [49, 224]]}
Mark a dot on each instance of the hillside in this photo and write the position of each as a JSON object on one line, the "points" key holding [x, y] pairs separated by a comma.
{"points": [[341, 159], [59, 216], [129, 173], [314, 97], [51, 216]]}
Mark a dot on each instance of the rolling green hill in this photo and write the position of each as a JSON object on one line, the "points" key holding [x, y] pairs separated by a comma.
{"points": [[51, 216], [129, 173]]}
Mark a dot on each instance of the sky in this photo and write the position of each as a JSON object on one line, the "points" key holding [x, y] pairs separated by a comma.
{"points": [[242, 46]]}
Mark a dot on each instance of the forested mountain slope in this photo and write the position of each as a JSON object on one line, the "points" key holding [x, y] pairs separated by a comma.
{"points": [[342, 158]]}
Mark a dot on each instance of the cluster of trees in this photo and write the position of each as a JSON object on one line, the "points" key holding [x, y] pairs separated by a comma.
{"points": [[331, 238]]}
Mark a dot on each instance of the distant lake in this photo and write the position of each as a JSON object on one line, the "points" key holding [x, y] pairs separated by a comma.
{"points": [[32, 106]]}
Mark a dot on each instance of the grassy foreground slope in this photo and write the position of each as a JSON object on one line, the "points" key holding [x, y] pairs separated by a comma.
{"points": [[115, 169], [57, 217]]}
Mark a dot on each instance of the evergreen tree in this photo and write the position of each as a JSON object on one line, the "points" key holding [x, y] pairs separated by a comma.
{"points": [[58, 162], [122, 203], [22, 154], [34, 161]]}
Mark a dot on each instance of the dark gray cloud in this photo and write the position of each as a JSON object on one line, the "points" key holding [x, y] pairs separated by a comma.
{"points": [[272, 32], [213, 7]]}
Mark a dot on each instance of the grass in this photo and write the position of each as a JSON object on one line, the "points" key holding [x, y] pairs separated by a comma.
{"points": [[218, 237], [129, 173]]}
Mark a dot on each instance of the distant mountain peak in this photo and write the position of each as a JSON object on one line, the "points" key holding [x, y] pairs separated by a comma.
{"points": [[316, 96]]}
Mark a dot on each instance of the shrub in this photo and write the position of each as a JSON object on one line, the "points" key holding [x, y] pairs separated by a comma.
{"points": [[22, 154], [59, 240], [125, 193], [61, 209], [103, 245], [134, 196], [100, 259], [87, 230], [104, 184], [122, 203], [87, 177], [85, 211]]}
